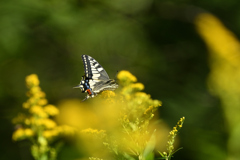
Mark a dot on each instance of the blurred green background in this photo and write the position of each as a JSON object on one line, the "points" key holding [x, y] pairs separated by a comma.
{"points": [[157, 41]]}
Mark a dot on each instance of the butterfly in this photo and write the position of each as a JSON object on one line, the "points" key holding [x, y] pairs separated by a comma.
{"points": [[95, 79]]}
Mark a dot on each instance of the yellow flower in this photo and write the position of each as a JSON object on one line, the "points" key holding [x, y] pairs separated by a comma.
{"points": [[107, 94], [28, 132], [28, 121], [95, 132], [60, 130], [35, 89], [21, 133], [42, 102], [156, 103], [18, 134], [38, 110], [26, 105], [40, 94], [32, 80], [134, 87], [51, 110], [66, 130], [126, 77], [137, 86], [47, 123], [35, 109], [218, 38], [173, 133], [51, 133], [90, 130], [31, 100], [142, 95], [148, 110]]}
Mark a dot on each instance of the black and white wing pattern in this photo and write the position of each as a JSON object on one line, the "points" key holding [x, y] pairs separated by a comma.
{"points": [[95, 79]]}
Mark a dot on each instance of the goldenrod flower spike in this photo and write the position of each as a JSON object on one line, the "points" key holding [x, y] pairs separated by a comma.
{"points": [[221, 42], [37, 126], [171, 139], [224, 77]]}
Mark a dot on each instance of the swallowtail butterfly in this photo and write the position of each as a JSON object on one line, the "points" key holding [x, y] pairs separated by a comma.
{"points": [[95, 79]]}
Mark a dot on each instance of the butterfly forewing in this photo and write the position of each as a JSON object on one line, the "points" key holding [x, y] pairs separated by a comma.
{"points": [[93, 70]]}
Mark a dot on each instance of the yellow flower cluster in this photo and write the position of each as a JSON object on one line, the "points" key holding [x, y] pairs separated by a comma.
{"points": [[38, 125], [95, 132], [118, 121], [51, 110], [173, 133], [59, 130], [171, 140], [136, 110], [108, 94], [138, 102], [38, 109], [22, 134], [224, 77]]}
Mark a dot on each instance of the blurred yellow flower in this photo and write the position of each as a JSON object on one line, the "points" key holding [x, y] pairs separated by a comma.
{"points": [[18, 134], [132, 88], [47, 123], [28, 132], [50, 133], [51, 110], [37, 123], [224, 77], [35, 89], [35, 109], [219, 39], [26, 105], [32, 80], [32, 100], [59, 130], [22, 134], [67, 130], [28, 121], [138, 86], [93, 131], [107, 94], [42, 102], [77, 114], [126, 77], [38, 110]]}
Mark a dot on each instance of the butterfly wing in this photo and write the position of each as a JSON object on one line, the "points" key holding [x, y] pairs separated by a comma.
{"points": [[95, 79], [93, 70]]}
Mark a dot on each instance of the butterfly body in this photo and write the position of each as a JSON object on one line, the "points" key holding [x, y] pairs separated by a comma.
{"points": [[95, 79]]}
